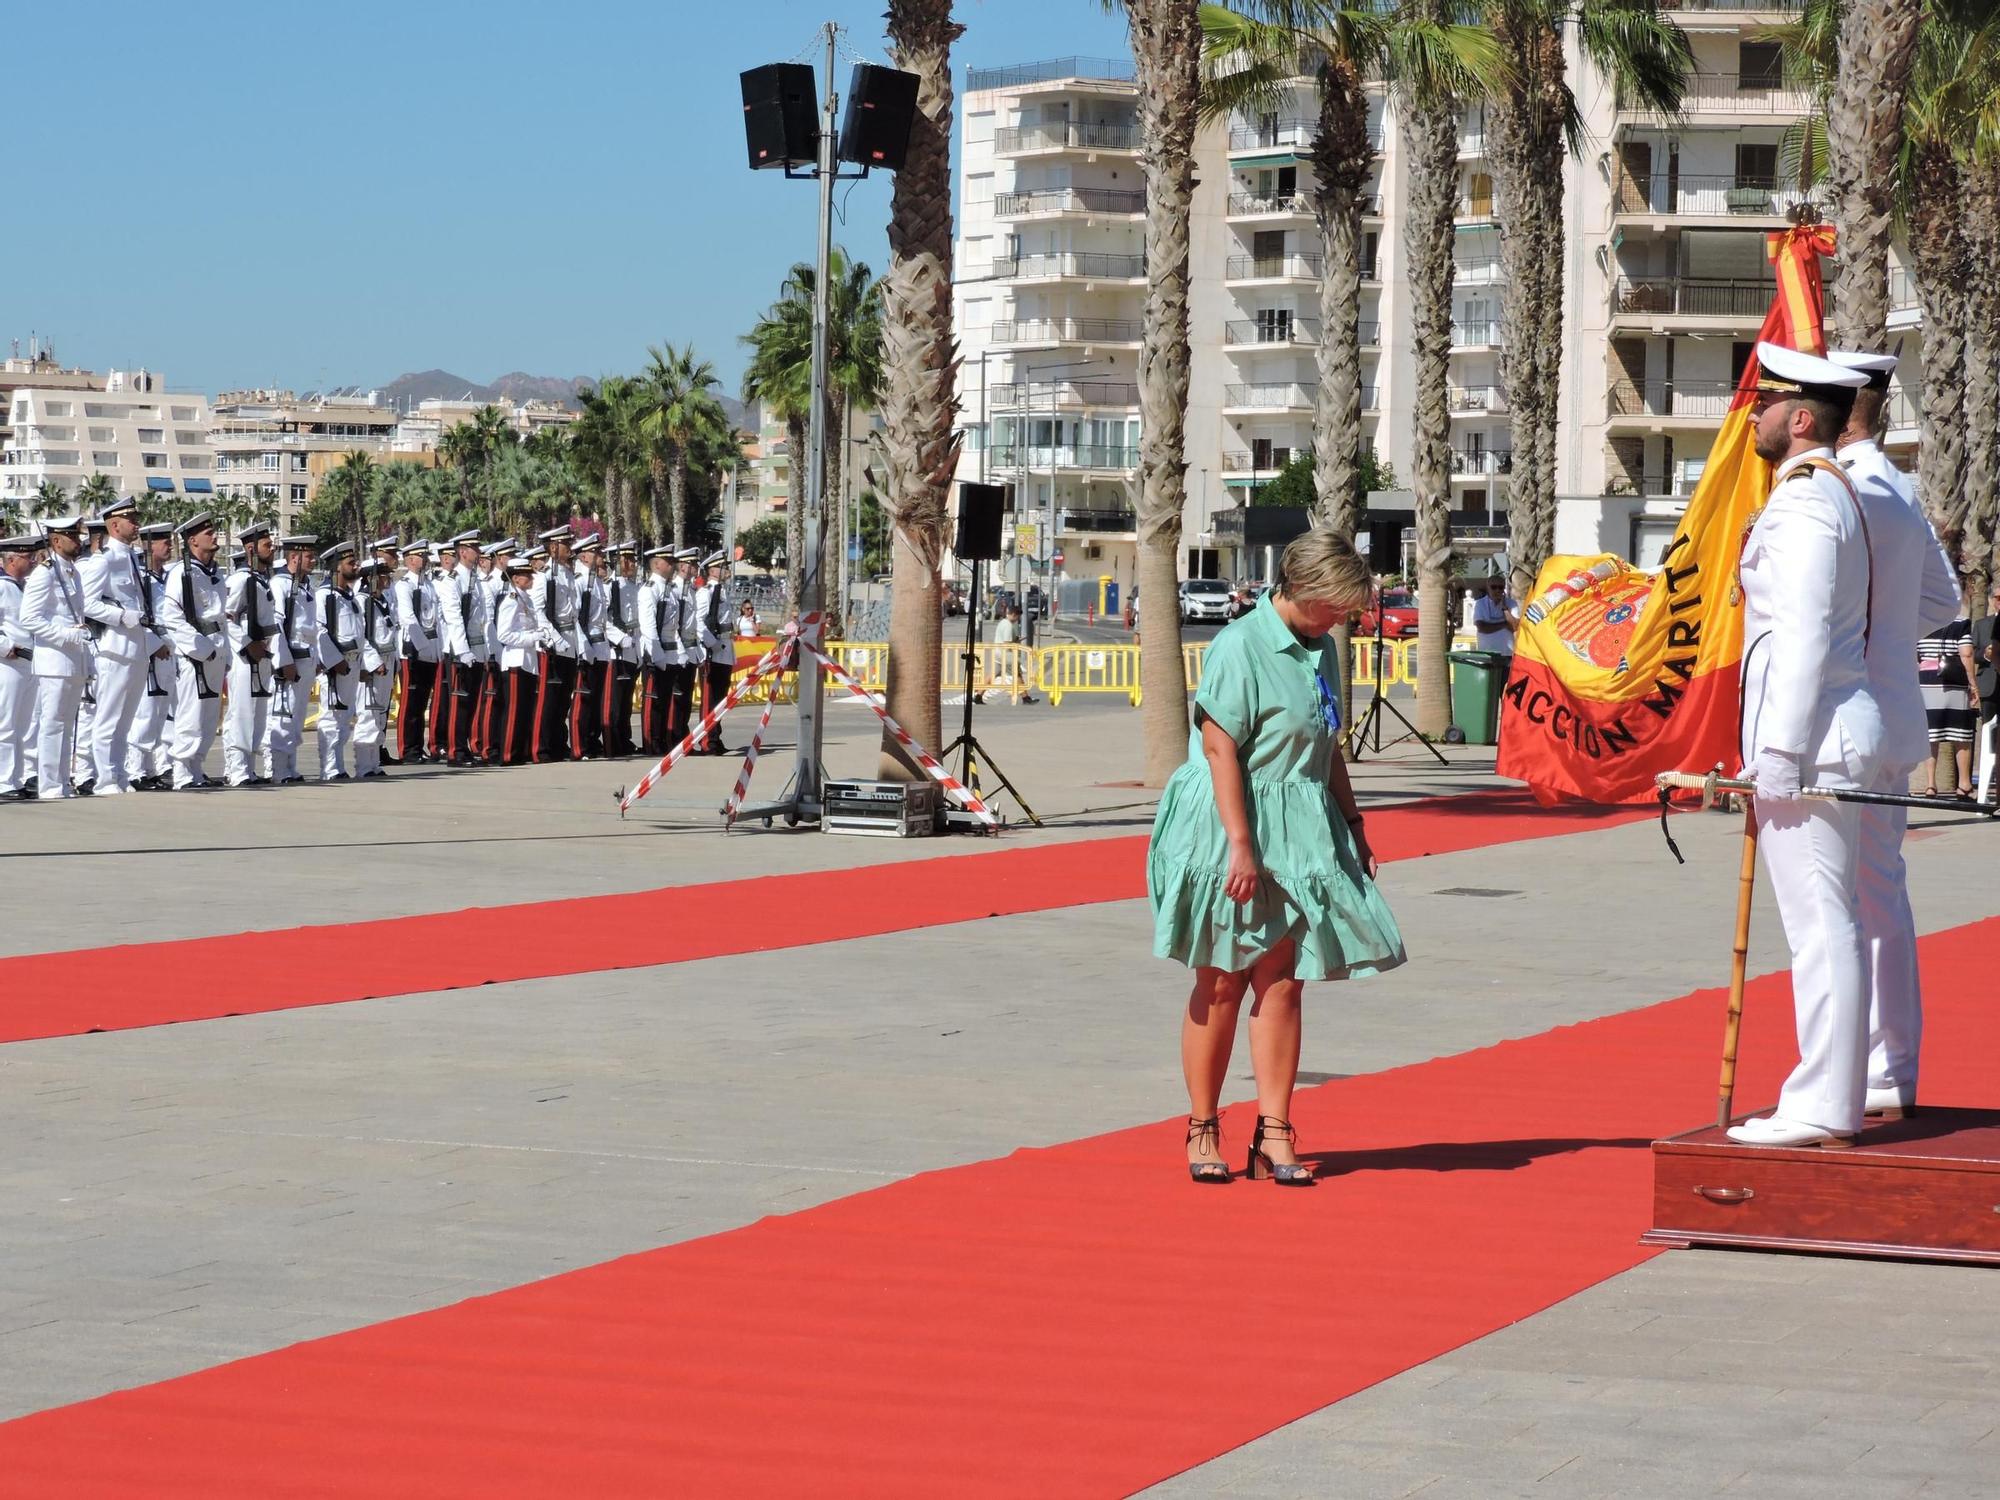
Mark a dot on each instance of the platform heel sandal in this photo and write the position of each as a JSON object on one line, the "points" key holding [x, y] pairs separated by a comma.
{"points": [[1285, 1174], [1207, 1171]]}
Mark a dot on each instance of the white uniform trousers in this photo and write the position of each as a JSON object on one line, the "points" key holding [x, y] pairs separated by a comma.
{"points": [[146, 743], [81, 769], [1812, 854], [17, 721], [120, 686], [371, 722], [291, 702], [243, 724], [197, 710], [58, 700], [1889, 933]]}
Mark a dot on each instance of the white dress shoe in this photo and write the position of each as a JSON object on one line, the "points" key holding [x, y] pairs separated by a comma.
{"points": [[1894, 1103], [1773, 1130]]}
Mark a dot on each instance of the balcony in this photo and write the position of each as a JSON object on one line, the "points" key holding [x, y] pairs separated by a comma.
{"points": [[1285, 135], [1655, 485], [1733, 7], [1722, 196], [1053, 70], [1047, 332], [1272, 206], [1484, 334], [1478, 272], [1666, 403], [1057, 136], [1054, 203], [1292, 395], [1906, 302], [1046, 395], [1477, 400], [1695, 299], [1292, 333], [1070, 265], [1248, 466], [1371, 335], [1115, 458], [1718, 97], [1098, 522], [1475, 463]]}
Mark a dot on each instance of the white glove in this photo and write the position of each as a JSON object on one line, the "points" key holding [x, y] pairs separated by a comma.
{"points": [[1776, 775], [465, 658]]}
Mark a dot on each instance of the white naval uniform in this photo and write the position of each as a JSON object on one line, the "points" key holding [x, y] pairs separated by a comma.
{"points": [[337, 621], [17, 689], [468, 641], [251, 616], [192, 614], [381, 649], [52, 610], [118, 598], [1806, 696], [297, 604], [1915, 592], [146, 741]]}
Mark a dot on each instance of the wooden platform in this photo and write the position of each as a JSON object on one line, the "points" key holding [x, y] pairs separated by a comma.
{"points": [[1926, 1188]]}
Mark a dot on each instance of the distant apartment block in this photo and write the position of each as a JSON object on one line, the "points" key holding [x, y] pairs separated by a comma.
{"points": [[136, 431]]}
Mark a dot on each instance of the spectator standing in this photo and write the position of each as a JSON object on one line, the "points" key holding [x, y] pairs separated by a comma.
{"points": [[1495, 618], [1986, 682], [1945, 669]]}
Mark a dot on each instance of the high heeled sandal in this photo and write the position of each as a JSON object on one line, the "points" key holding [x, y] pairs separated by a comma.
{"points": [[1207, 1171], [1284, 1173]]}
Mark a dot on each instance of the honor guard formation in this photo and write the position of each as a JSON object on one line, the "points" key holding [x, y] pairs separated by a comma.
{"points": [[122, 663]]}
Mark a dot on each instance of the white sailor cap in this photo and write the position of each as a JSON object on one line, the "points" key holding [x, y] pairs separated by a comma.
{"points": [[61, 523], [715, 559], [154, 531], [524, 563], [118, 507], [420, 544], [336, 552], [301, 541], [653, 552], [687, 554], [194, 526], [370, 568], [21, 544], [500, 548], [389, 543], [465, 539], [1789, 372], [256, 531], [1877, 367], [554, 534]]}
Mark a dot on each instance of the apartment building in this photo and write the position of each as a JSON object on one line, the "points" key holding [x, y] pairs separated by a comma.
{"points": [[274, 440], [143, 436], [38, 369], [1666, 275]]}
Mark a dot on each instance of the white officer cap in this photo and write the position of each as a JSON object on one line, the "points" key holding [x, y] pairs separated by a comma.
{"points": [[525, 563], [590, 543], [554, 534], [1788, 372], [500, 548], [687, 554], [715, 559], [155, 530], [422, 544], [389, 543], [624, 549], [465, 539], [61, 523], [116, 507], [20, 544], [1877, 367], [653, 552]]}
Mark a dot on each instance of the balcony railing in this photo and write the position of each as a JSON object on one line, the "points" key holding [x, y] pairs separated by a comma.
{"points": [[1788, 6], [1275, 268], [1903, 289], [1371, 334], [1294, 331], [1275, 203], [1734, 94], [1702, 400], [1096, 521], [1292, 395], [1064, 456], [1475, 335], [1041, 395], [1070, 263], [1478, 398], [1482, 460], [1660, 486], [1074, 136], [1478, 272], [1068, 201], [1247, 463], [1696, 297], [1065, 331], [1271, 137], [1712, 194], [1111, 69]]}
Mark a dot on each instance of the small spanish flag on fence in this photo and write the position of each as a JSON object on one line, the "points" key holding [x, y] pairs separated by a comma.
{"points": [[1619, 673]]}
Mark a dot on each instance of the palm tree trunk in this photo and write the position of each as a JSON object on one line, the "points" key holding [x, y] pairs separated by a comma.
{"points": [[919, 375], [832, 552], [677, 492], [1937, 245], [1982, 384], [1166, 46], [1427, 238], [653, 481], [795, 509], [1864, 136]]}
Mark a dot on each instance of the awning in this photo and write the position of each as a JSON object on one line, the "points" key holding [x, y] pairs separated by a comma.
{"points": [[1284, 156], [154, 482], [196, 486]]}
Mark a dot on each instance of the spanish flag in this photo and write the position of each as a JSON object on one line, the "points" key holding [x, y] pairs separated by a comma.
{"points": [[1619, 673]]}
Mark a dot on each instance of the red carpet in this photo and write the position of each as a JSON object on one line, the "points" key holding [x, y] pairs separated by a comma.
{"points": [[150, 984], [1071, 1321]]}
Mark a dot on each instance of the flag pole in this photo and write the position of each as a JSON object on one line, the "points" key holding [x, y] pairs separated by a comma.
{"points": [[1739, 967]]}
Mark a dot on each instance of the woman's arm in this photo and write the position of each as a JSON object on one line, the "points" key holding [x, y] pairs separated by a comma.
{"points": [[1240, 883], [1343, 796]]}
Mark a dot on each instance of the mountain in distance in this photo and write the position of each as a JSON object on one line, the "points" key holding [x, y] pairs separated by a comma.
{"points": [[405, 391]]}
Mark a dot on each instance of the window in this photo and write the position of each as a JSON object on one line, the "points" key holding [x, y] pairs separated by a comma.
{"points": [[268, 461], [1757, 166], [193, 461], [298, 494], [1759, 65], [102, 435], [298, 463], [153, 460], [190, 439], [98, 409], [56, 434], [152, 435], [183, 413], [58, 409], [103, 460], [1739, 356]]}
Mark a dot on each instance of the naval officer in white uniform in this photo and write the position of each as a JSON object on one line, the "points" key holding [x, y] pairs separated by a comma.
{"points": [[1915, 592], [53, 612], [1810, 718]]}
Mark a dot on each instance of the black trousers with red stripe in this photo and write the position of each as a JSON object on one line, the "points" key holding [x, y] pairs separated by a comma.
{"points": [[552, 699], [621, 678], [467, 690], [419, 684], [653, 701], [511, 731], [715, 678], [586, 711]]}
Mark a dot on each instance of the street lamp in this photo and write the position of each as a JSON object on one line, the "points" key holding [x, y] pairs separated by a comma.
{"points": [[1049, 538]]}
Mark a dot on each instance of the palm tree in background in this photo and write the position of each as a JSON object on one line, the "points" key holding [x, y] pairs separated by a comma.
{"points": [[1533, 120], [676, 410], [96, 492], [495, 433], [779, 376], [459, 448], [351, 486], [50, 497], [604, 441], [1864, 133], [919, 402]]}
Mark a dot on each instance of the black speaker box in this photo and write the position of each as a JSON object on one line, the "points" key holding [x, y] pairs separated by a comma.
{"points": [[979, 507], [881, 103], [780, 119]]}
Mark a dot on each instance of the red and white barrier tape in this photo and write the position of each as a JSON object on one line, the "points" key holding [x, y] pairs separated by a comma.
{"points": [[750, 754], [770, 665], [953, 787]]}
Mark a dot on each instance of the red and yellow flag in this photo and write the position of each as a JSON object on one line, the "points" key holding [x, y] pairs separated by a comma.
{"points": [[1620, 673]]}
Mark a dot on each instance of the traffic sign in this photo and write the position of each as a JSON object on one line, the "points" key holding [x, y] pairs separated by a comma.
{"points": [[1056, 558]]}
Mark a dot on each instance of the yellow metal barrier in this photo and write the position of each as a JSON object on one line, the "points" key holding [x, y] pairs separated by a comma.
{"points": [[867, 660], [1089, 669], [1009, 669]]}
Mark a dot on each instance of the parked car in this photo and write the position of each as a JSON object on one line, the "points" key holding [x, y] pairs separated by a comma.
{"points": [[953, 597], [1399, 615], [1005, 599], [1205, 599]]}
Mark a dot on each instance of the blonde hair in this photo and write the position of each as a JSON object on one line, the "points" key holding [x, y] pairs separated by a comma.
{"points": [[1322, 565]]}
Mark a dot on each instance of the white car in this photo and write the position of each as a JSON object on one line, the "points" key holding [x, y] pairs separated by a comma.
{"points": [[1205, 599]]}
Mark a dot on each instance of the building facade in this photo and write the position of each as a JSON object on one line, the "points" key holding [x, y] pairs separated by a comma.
{"points": [[273, 440], [135, 431]]}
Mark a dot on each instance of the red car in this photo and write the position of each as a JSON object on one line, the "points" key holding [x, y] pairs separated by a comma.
{"points": [[1399, 615]]}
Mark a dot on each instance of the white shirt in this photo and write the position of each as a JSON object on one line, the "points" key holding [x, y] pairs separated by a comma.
{"points": [[117, 596], [14, 634], [715, 614], [52, 611], [517, 628], [417, 617], [1487, 616], [466, 611], [192, 610]]}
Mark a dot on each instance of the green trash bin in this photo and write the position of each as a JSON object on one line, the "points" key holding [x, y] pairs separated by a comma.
{"points": [[1477, 678]]}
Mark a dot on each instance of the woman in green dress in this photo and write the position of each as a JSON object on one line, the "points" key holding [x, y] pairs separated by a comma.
{"points": [[1259, 870]]}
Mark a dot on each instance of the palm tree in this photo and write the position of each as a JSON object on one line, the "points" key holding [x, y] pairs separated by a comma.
{"points": [[352, 486], [1533, 120], [777, 379], [495, 433], [676, 408], [1166, 48], [605, 443], [50, 497], [1864, 132], [460, 448], [919, 404], [96, 492]]}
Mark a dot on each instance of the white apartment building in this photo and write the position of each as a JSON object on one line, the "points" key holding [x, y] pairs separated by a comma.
{"points": [[143, 436], [1667, 284], [272, 440]]}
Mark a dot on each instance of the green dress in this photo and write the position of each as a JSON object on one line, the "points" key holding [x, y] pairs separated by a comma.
{"points": [[1273, 696]]}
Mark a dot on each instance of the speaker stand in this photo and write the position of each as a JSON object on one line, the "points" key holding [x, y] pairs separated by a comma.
{"points": [[972, 754], [1378, 705]]}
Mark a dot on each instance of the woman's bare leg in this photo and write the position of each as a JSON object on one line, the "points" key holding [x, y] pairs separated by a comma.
{"points": [[1208, 1033], [1274, 1040]]}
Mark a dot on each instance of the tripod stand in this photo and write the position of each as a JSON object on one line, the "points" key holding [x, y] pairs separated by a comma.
{"points": [[970, 751], [1378, 705]]}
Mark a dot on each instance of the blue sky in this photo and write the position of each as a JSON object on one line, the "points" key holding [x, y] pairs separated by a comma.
{"points": [[245, 194]]}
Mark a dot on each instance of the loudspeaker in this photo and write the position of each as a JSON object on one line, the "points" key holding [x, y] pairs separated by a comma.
{"points": [[780, 120], [881, 103], [979, 507]]}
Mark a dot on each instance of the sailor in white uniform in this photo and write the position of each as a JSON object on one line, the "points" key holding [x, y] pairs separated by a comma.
{"points": [[621, 629], [256, 654], [1915, 591], [147, 766], [380, 648], [53, 612], [715, 613], [518, 641], [298, 626], [554, 593], [587, 717], [337, 650], [17, 672], [1810, 718], [118, 599]]}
